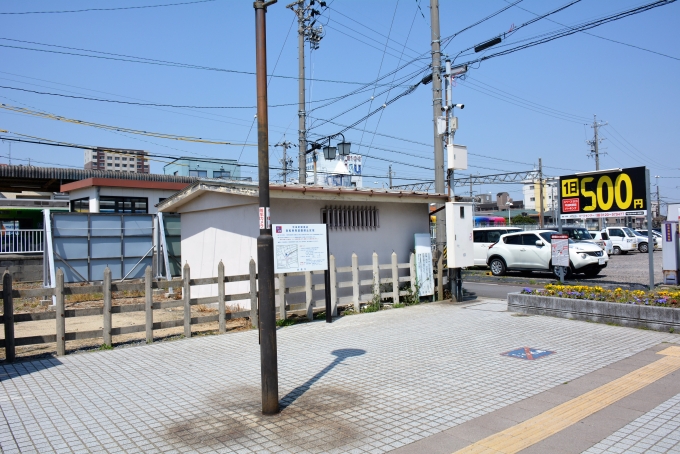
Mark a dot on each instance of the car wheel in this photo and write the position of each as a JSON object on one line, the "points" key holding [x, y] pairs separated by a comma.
{"points": [[617, 250], [643, 247], [497, 267]]}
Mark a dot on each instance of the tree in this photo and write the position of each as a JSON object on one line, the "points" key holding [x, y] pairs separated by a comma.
{"points": [[523, 220]]}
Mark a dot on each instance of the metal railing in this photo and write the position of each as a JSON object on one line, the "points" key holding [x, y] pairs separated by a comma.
{"points": [[21, 241]]}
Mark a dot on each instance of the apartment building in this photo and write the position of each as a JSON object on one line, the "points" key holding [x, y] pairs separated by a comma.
{"points": [[117, 160]]}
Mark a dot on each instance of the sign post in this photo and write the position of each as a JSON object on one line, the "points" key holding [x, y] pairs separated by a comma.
{"points": [[607, 194], [559, 248], [303, 247]]}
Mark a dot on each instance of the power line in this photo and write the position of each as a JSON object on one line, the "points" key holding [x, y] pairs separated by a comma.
{"points": [[110, 9], [151, 61], [115, 128], [602, 37], [114, 101]]}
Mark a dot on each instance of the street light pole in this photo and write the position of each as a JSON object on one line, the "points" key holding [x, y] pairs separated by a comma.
{"points": [[265, 242]]}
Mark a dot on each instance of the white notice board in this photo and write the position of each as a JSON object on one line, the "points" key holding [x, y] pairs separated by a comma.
{"points": [[424, 271], [299, 247], [559, 244]]}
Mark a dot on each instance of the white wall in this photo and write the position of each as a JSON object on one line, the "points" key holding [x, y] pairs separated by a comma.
{"points": [[153, 195], [229, 233]]}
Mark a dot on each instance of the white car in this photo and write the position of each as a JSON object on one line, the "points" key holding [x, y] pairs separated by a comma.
{"points": [[658, 239], [530, 251], [485, 237], [623, 238], [603, 238]]}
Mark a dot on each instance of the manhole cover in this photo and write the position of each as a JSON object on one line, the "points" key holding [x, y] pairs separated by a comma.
{"points": [[527, 353]]}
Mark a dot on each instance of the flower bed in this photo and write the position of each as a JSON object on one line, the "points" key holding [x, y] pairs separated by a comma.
{"points": [[662, 298]]}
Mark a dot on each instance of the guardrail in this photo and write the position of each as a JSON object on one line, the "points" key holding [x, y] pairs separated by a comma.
{"points": [[21, 241], [375, 285]]}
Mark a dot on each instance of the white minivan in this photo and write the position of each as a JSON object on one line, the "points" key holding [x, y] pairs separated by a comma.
{"points": [[485, 237]]}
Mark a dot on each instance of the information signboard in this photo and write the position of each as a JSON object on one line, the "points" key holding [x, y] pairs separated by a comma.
{"points": [[559, 245], [423, 257], [615, 193], [300, 247]]}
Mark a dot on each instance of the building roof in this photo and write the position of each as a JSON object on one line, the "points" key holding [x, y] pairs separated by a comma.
{"points": [[296, 191], [50, 179], [121, 183]]}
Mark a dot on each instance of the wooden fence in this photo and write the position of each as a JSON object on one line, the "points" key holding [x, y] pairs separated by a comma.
{"points": [[340, 278]]}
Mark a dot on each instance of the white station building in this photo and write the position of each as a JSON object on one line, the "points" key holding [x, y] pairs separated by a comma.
{"points": [[220, 221]]}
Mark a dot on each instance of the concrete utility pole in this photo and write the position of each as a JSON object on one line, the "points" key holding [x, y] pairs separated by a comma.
{"points": [[540, 192], [595, 151], [436, 113], [284, 161], [658, 198], [390, 176], [306, 32], [265, 242]]}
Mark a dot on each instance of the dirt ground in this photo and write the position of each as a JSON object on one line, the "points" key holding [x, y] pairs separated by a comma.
{"points": [[76, 324]]}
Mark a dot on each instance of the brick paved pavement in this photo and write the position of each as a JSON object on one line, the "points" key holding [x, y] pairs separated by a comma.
{"points": [[657, 431], [366, 383]]}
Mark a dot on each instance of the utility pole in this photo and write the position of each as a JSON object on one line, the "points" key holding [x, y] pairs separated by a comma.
{"points": [[265, 242], [284, 161], [540, 192], [658, 198], [436, 113], [390, 176], [306, 32], [595, 150]]}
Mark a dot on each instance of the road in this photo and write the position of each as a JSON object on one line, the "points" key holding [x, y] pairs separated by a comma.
{"points": [[499, 291]]}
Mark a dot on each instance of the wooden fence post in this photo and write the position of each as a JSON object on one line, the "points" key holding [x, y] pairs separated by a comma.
{"points": [[282, 296], [60, 316], [221, 306], [355, 283], [376, 275], [440, 277], [148, 296], [395, 279], [186, 293], [334, 287], [309, 295], [412, 271], [107, 306], [254, 311], [8, 311]]}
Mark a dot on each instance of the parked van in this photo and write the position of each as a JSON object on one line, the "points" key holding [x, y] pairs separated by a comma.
{"points": [[485, 237], [623, 238]]}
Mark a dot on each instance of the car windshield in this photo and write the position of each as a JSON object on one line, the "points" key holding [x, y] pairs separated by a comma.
{"points": [[580, 234], [629, 232], [546, 236]]}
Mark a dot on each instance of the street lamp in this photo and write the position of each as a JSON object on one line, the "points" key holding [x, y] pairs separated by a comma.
{"points": [[509, 204]]}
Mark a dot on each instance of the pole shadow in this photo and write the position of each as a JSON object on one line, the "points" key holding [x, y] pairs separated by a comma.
{"points": [[340, 355]]}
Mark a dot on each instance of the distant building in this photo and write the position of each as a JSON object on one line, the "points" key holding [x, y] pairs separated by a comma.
{"points": [[228, 169], [117, 160], [342, 171], [531, 193]]}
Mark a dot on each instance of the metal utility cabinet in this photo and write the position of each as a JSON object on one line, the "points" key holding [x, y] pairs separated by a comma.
{"points": [[671, 252], [459, 225]]}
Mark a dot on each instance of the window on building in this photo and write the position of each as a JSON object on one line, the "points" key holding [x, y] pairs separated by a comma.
{"points": [[342, 217], [124, 159], [123, 205], [109, 158], [197, 173], [80, 205], [532, 199], [221, 174], [117, 165], [124, 165], [117, 158], [531, 187]]}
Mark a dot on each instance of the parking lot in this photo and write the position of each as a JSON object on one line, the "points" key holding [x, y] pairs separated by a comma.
{"points": [[632, 268]]}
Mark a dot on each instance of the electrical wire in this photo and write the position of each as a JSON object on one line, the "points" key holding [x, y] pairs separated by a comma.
{"points": [[115, 128], [151, 61], [109, 9], [602, 37]]}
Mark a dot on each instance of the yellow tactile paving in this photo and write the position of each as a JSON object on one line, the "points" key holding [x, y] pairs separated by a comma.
{"points": [[540, 427]]}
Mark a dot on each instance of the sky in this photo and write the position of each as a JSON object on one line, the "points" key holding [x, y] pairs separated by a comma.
{"points": [[538, 102]]}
